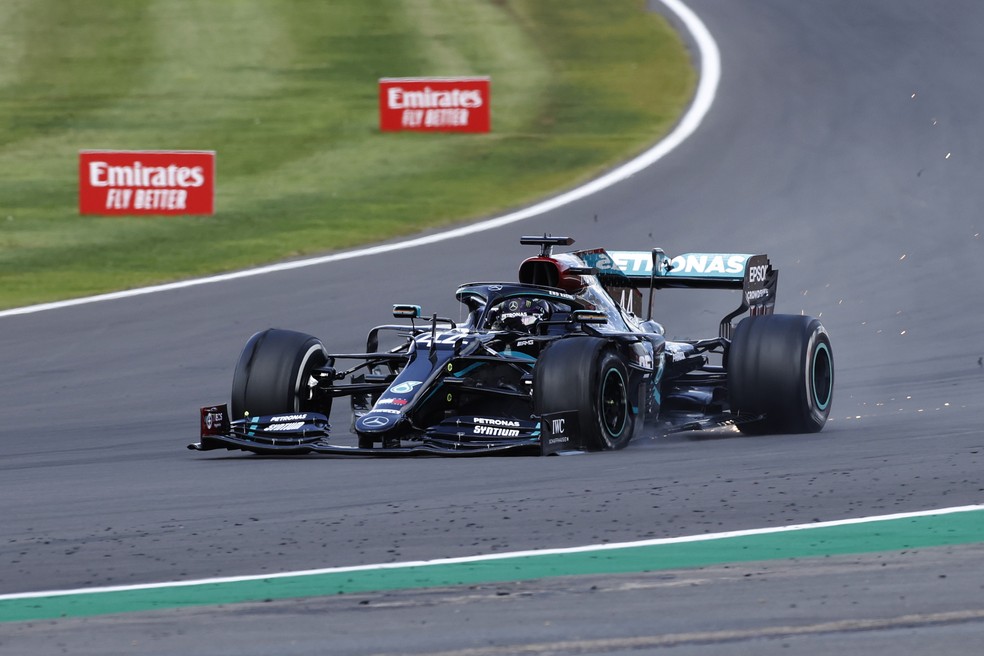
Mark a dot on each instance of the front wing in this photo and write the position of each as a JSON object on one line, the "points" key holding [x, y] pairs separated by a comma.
{"points": [[309, 432]]}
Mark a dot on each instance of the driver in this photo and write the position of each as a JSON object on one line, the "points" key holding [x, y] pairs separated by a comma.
{"points": [[521, 314]]}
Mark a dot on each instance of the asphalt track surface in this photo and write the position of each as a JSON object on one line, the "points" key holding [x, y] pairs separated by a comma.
{"points": [[844, 141]]}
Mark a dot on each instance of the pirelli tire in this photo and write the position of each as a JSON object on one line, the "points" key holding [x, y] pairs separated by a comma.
{"points": [[780, 374], [586, 375], [273, 372]]}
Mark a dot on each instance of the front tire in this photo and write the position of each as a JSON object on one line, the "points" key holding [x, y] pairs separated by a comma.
{"points": [[780, 367], [586, 375], [273, 371]]}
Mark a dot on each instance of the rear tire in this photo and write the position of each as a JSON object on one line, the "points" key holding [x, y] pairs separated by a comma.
{"points": [[585, 375], [272, 374], [781, 367]]}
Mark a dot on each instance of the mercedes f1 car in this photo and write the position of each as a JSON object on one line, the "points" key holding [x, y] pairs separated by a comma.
{"points": [[558, 361]]}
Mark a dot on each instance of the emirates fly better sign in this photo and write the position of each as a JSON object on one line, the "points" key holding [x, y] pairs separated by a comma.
{"points": [[146, 182], [439, 104]]}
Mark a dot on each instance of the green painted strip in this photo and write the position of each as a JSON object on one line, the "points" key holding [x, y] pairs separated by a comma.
{"points": [[888, 535]]}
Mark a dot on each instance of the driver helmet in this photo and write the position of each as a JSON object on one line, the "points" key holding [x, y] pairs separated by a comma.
{"points": [[522, 313]]}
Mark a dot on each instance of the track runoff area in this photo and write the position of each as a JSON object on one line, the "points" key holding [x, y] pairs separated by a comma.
{"points": [[931, 528], [904, 531]]}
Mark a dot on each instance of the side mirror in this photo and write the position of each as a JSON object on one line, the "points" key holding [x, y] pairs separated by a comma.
{"points": [[589, 316], [407, 311]]}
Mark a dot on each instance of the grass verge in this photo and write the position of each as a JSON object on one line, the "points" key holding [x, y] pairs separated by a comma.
{"points": [[285, 92]]}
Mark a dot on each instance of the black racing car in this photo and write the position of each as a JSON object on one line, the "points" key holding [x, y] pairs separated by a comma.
{"points": [[558, 361]]}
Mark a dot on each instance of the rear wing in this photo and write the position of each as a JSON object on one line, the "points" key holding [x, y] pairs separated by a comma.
{"points": [[753, 274]]}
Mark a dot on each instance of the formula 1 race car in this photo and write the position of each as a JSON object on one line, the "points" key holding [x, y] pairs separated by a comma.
{"points": [[555, 362]]}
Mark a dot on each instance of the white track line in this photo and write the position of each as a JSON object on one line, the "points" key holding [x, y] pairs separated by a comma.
{"points": [[704, 537], [710, 75]]}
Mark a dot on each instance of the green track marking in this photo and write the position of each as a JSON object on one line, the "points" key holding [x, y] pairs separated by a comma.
{"points": [[950, 527]]}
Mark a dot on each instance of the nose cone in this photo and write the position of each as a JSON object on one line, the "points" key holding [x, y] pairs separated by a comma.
{"points": [[376, 422]]}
